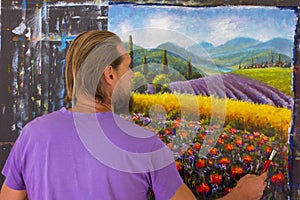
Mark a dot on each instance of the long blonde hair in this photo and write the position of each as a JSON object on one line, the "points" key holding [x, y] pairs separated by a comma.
{"points": [[89, 53]]}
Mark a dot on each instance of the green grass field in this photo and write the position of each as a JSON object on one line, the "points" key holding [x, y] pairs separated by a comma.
{"points": [[280, 78]]}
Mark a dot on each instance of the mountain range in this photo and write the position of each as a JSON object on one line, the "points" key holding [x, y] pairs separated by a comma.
{"points": [[242, 50], [238, 51]]}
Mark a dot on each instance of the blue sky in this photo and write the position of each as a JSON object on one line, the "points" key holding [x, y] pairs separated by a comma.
{"points": [[153, 25]]}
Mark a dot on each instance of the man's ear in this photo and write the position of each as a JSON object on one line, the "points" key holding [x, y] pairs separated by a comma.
{"points": [[108, 74]]}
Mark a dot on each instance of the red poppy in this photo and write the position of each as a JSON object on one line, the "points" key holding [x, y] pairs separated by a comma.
{"points": [[250, 137], [200, 163], [232, 130], [168, 131], [203, 188], [220, 141], [197, 146], [224, 161], [261, 141], [176, 125], [215, 178], [178, 165], [247, 158], [210, 162], [190, 151], [277, 178], [202, 136], [236, 170], [268, 150], [229, 147], [256, 134], [213, 151], [250, 147], [224, 136], [239, 141], [265, 138]]}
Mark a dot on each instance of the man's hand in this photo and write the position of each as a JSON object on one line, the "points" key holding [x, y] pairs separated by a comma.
{"points": [[250, 187]]}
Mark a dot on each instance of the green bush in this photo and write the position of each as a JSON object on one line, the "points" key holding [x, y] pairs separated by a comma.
{"points": [[139, 83], [161, 83]]}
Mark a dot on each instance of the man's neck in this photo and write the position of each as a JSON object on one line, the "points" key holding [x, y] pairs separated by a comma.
{"points": [[89, 106]]}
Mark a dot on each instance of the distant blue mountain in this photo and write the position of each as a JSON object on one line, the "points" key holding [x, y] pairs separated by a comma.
{"points": [[183, 53], [236, 44], [174, 49], [279, 45], [201, 48], [242, 49], [239, 42]]}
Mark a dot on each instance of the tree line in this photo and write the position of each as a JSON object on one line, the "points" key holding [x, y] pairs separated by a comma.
{"points": [[149, 79]]}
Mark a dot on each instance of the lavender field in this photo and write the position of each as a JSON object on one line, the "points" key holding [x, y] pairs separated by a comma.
{"points": [[234, 87]]}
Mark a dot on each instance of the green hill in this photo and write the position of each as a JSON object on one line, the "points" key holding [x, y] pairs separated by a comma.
{"points": [[245, 58], [154, 58], [280, 78]]}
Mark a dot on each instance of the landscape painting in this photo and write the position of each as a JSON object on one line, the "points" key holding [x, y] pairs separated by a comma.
{"points": [[215, 84]]}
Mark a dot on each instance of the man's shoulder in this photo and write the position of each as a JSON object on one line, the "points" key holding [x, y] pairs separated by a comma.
{"points": [[45, 121]]}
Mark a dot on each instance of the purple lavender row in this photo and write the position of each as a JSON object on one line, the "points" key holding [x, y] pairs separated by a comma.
{"points": [[234, 87]]}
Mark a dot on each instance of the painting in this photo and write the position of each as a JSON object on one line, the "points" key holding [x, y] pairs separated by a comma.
{"points": [[215, 84]]}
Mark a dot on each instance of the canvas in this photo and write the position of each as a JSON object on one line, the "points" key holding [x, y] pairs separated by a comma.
{"points": [[209, 82]]}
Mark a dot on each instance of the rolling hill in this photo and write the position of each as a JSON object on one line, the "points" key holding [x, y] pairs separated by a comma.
{"points": [[177, 57]]}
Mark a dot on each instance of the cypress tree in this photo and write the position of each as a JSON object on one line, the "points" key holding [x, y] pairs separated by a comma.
{"points": [[164, 63], [145, 69], [272, 59], [130, 50], [188, 73]]}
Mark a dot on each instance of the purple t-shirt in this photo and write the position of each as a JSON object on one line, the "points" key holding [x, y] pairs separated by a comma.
{"points": [[52, 160]]}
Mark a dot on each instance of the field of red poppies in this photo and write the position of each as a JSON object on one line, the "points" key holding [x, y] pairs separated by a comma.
{"points": [[211, 159]]}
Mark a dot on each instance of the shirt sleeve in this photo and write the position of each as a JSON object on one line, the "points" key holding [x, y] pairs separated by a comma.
{"points": [[13, 167], [165, 182]]}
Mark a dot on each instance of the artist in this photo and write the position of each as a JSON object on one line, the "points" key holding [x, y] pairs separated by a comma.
{"points": [[87, 151]]}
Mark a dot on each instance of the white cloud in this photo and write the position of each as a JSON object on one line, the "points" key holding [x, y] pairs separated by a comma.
{"points": [[125, 26], [163, 20], [223, 30], [158, 28], [152, 37]]}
